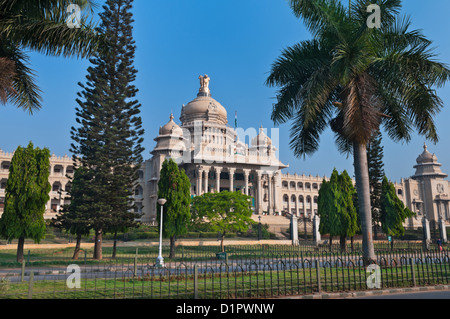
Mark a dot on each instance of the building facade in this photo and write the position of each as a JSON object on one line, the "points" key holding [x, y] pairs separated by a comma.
{"points": [[215, 157]]}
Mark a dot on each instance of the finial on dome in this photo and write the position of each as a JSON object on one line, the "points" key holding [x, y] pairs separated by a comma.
{"points": [[171, 116], [425, 147], [204, 85]]}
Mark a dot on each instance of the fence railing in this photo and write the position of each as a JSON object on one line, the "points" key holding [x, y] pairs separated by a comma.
{"points": [[243, 274]]}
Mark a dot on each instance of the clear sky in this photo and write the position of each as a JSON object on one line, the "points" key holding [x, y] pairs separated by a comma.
{"points": [[234, 42]]}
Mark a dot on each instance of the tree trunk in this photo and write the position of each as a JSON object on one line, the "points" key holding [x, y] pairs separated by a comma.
{"points": [[114, 246], [342, 242], [222, 243], [98, 245], [352, 242], [76, 253], [172, 247], [20, 246], [331, 242], [363, 191]]}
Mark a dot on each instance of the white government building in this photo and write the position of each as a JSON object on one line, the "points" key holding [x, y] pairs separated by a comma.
{"points": [[216, 158]]}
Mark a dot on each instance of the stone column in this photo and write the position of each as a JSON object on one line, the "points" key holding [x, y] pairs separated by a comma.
{"points": [[426, 233], [231, 172], [259, 192], [294, 230], [198, 185], [205, 181], [269, 193], [218, 170], [275, 195], [443, 229], [246, 177], [316, 233]]}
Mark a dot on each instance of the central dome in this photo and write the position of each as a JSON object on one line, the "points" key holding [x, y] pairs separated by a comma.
{"points": [[204, 108]]}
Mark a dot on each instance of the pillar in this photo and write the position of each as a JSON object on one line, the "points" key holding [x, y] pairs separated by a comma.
{"points": [[269, 194], [218, 170], [246, 177], [443, 229], [316, 233], [231, 171], [294, 230], [426, 232], [259, 191], [198, 184], [206, 180], [275, 195]]}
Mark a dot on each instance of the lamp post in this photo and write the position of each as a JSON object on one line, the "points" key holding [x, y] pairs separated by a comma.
{"points": [[160, 259]]}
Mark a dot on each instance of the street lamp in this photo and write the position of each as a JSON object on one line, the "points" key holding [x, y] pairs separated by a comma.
{"points": [[160, 259]]}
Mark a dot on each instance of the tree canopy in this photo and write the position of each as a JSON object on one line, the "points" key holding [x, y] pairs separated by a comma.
{"points": [[225, 212], [175, 187], [27, 193]]}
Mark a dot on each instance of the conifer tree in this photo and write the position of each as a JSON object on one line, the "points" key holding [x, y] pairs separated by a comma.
{"points": [[376, 174], [393, 212], [108, 140], [27, 192], [336, 208], [74, 217], [174, 186]]}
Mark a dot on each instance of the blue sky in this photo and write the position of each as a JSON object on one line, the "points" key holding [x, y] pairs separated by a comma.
{"points": [[234, 42]]}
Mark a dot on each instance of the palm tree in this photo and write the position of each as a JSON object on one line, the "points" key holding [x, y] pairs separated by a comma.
{"points": [[355, 79], [38, 26]]}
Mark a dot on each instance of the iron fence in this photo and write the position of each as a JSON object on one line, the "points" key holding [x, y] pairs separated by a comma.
{"points": [[243, 274]]}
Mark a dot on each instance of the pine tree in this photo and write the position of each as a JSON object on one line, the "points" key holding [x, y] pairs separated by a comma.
{"points": [[336, 208], [174, 186], [376, 174], [108, 141], [74, 217], [27, 192], [393, 212], [348, 212]]}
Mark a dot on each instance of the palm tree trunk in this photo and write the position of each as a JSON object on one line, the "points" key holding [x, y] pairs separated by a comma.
{"points": [[363, 190]]}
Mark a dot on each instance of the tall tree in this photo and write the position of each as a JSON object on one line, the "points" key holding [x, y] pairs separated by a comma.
{"points": [[338, 214], [327, 206], [39, 26], [354, 78], [393, 211], [109, 138], [376, 174], [27, 192], [225, 212], [74, 217], [348, 213], [175, 187]]}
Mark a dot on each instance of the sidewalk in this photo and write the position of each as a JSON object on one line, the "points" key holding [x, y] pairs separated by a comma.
{"points": [[369, 293]]}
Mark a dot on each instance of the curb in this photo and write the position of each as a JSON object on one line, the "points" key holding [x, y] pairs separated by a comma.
{"points": [[381, 292]]}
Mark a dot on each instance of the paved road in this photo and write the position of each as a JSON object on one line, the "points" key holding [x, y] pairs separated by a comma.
{"points": [[435, 295]]}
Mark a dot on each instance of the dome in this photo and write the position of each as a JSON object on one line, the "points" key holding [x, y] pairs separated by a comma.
{"points": [[262, 139], [171, 128], [426, 156], [204, 107]]}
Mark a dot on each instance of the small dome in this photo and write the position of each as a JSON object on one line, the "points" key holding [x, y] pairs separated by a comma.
{"points": [[262, 139], [171, 128], [426, 156]]}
